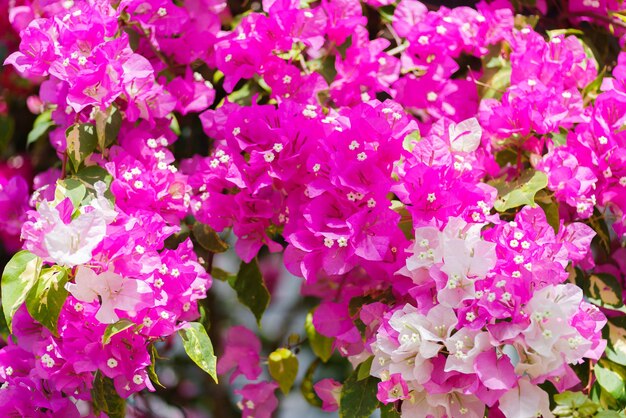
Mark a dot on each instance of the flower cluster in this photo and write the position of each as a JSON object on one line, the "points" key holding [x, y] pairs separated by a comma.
{"points": [[444, 180]]}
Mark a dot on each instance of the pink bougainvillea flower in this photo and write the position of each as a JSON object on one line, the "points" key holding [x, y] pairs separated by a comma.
{"points": [[112, 290], [241, 354], [329, 391]]}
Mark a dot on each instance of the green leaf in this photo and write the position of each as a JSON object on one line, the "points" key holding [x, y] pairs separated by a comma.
{"points": [[550, 207], [92, 174], [358, 398], [615, 333], [283, 367], [242, 96], [609, 414], [199, 348], [389, 411], [307, 385], [222, 275], [321, 345], [47, 297], [386, 12], [406, 220], [602, 290], [105, 398], [363, 371], [154, 355], [498, 83], [116, 328], [72, 188], [592, 89], [570, 31], [250, 288], [4, 328], [108, 126], [40, 127], [560, 138], [174, 125], [19, 276], [521, 192], [81, 142], [208, 238], [411, 140], [610, 381], [568, 402]]}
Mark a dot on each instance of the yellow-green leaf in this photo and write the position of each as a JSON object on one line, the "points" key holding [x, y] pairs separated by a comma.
{"points": [[521, 192], [108, 125], [363, 371], [81, 142], [199, 348], [610, 381], [321, 345], [47, 297], [19, 276], [283, 367], [603, 290], [154, 355], [306, 387], [115, 328]]}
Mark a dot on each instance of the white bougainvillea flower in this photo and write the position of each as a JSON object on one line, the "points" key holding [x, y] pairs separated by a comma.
{"points": [[72, 243], [114, 291]]}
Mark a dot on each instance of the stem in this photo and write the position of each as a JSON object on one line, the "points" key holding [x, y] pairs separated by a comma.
{"points": [[64, 166], [602, 18], [587, 388], [400, 48], [393, 33]]}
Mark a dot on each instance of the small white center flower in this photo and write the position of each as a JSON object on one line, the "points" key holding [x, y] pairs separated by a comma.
{"points": [[137, 379], [162, 11], [112, 363]]}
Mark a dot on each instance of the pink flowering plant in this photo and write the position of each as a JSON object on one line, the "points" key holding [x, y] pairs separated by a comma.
{"points": [[444, 184]]}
